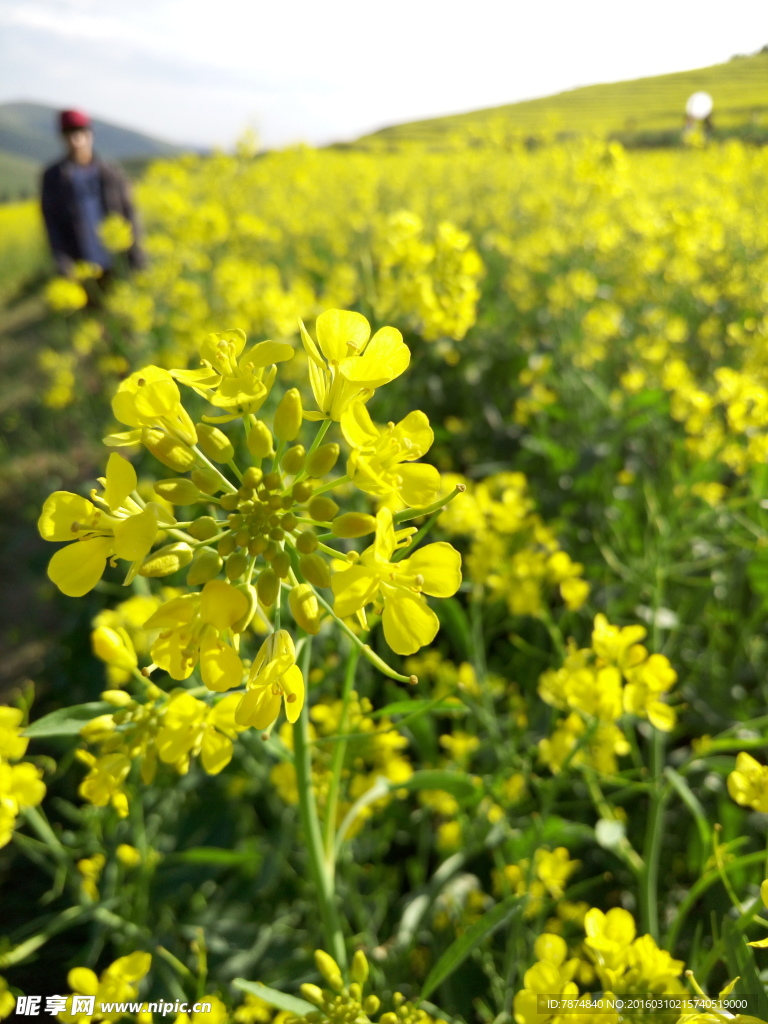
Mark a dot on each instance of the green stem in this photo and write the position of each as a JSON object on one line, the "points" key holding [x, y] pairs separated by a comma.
{"points": [[427, 510], [207, 462], [649, 878], [321, 875], [330, 485], [365, 649], [322, 431], [337, 763]]}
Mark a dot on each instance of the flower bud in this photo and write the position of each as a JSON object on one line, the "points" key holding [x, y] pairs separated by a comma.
{"points": [[251, 594], [236, 565], [167, 560], [323, 459], [293, 460], [204, 528], [128, 856], [359, 970], [113, 647], [306, 542], [226, 545], [214, 442], [315, 570], [172, 453], [205, 566], [98, 729], [260, 440], [305, 608], [353, 524], [252, 477], [302, 491], [329, 969], [118, 698], [288, 416], [323, 509], [207, 479], [178, 491], [313, 994], [281, 563], [268, 586], [371, 1005]]}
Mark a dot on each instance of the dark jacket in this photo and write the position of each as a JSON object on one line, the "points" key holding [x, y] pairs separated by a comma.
{"points": [[63, 220]]}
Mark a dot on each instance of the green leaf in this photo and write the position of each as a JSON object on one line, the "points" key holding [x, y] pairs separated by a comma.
{"points": [[459, 950], [408, 707], [67, 721], [741, 961], [275, 998], [213, 855], [457, 783], [453, 620]]}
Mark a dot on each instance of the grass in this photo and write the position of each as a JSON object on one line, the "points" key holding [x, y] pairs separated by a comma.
{"points": [[633, 110]]}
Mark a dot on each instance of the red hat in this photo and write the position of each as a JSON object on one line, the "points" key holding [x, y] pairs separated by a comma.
{"points": [[71, 119]]}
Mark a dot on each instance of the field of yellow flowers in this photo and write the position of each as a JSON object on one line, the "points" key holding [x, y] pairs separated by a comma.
{"points": [[407, 655]]}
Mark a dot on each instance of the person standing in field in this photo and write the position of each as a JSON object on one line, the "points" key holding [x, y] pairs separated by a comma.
{"points": [[78, 192]]}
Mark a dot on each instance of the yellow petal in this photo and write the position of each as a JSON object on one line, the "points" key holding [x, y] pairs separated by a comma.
{"points": [[179, 611], [244, 392], [353, 589], [340, 333], [258, 708], [215, 752], [357, 426], [440, 565], [78, 567], [121, 480], [661, 716], [293, 684], [419, 484], [384, 545], [416, 429], [83, 981], [221, 604], [173, 654], [60, 511], [385, 358], [220, 666], [266, 353], [409, 623], [135, 535]]}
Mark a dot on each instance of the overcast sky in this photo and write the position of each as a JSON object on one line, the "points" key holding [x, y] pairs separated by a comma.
{"points": [[201, 71]]}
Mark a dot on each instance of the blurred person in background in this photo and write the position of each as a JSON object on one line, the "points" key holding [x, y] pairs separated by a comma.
{"points": [[78, 192]]}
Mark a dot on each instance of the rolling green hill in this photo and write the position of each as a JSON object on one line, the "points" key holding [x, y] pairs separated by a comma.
{"points": [[645, 109]]}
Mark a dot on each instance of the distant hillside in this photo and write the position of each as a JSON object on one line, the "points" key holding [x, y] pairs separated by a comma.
{"points": [[649, 110], [29, 139]]}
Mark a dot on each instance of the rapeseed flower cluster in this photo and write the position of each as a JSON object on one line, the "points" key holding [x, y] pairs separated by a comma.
{"points": [[249, 536], [21, 784], [513, 553], [597, 685]]}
